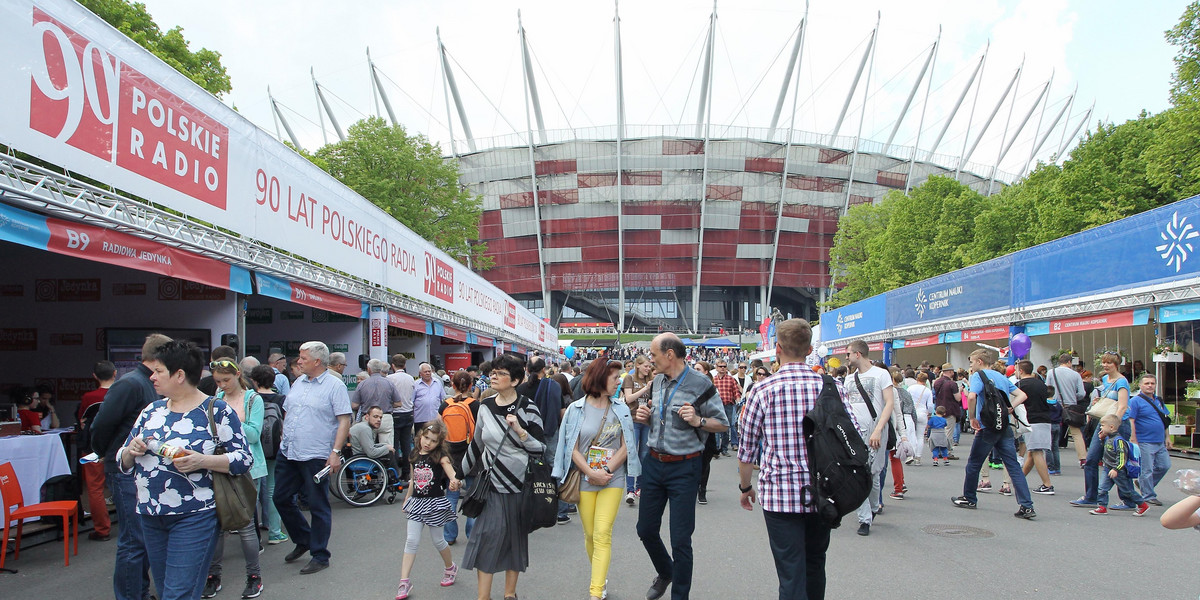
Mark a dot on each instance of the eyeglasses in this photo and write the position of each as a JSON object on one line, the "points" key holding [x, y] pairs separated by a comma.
{"points": [[721, 366], [501, 373], [761, 374], [224, 363]]}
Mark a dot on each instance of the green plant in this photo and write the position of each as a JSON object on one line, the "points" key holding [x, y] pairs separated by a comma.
{"points": [[1167, 346]]}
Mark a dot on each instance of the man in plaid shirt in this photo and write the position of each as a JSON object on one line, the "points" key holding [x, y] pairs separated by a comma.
{"points": [[730, 393], [774, 418]]}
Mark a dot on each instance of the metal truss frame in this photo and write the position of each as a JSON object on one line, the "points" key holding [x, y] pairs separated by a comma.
{"points": [[63, 196]]}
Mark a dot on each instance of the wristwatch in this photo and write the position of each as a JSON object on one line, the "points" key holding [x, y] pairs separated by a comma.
{"points": [[745, 489], [606, 469], [703, 422]]}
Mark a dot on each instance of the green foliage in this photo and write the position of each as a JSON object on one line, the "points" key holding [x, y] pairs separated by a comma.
{"points": [[130, 18], [1186, 36], [406, 176]]}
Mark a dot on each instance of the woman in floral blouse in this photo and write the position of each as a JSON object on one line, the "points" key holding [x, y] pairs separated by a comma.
{"points": [[170, 451]]}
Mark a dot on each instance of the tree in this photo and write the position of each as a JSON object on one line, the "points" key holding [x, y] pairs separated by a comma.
{"points": [[1186, 36], [130, 18], [406, 176]]}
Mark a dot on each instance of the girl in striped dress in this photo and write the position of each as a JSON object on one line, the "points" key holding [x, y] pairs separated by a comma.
{"points": [[426, 502]]}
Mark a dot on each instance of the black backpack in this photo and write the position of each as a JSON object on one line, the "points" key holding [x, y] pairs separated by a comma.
{"points": [[272, 428], [993, 413], [837, 458]]}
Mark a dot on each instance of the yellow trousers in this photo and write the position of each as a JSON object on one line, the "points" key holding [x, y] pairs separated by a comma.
{"points": [[598, 511]]}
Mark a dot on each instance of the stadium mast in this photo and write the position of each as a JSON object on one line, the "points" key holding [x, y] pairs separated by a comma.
{"points": [[448, 83], [912, 160], [377, 91], [530, 83], [279, 119], [912, 94], [620, 136], [1053, 125], [322, 102], [957, 104], [1007, 147], [863, 113], [787, 152], [1068, 139], [862, 64], [703, 128], [991, 117], [528, 87]]}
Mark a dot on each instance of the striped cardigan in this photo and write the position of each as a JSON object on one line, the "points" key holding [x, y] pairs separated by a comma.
{"points": [[508, 474]]}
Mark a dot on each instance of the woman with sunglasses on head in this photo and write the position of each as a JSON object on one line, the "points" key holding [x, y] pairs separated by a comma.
{"points": [[237, 392], [508, 429], [171, 451]]}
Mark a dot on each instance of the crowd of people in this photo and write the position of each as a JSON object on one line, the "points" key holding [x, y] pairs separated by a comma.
{"points": [[643, 430]]}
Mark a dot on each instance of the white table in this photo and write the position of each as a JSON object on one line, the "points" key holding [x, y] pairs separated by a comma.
{"points": [[35, 458]]}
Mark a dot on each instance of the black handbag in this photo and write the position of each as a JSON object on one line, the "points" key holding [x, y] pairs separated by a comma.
{"points": [[539, 495]]}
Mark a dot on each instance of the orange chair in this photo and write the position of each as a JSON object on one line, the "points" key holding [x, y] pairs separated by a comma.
{"points": [[10, 493]]}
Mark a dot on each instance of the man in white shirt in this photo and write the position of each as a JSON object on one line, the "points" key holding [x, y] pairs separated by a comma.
{"points": [[871, 384]]}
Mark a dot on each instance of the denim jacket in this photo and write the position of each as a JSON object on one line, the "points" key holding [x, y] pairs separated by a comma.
{"points": [[568, 438]]}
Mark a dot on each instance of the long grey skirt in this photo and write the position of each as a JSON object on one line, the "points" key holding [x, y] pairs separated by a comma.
{"points": [[498, 541]]}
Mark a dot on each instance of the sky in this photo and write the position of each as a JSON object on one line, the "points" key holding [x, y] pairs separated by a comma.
{"points": [[1113, 52]]}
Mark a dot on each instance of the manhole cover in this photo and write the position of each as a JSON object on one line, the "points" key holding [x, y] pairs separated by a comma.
{"points": [[957, 531]]}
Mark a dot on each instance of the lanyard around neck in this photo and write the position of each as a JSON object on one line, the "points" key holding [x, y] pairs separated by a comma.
{"points": [[662, 411]]}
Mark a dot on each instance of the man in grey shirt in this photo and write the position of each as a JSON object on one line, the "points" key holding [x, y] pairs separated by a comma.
{"points": [[684, 409], [379, 392], [402, 416], [1069, 390]]}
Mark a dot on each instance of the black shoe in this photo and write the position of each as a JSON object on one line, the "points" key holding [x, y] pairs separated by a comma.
{"points": [[563, 519], [95, 537], [295, 554], [211, 586], [313, 566], [962, 502], [572, 509], [702, 498], [1025, 512], [657, 588], [864, 529], [254, 587]]}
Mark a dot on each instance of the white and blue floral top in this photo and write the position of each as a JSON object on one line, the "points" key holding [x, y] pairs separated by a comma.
{"points": [[163, 490]]}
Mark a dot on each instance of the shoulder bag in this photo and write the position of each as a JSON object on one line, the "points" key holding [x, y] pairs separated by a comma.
{"points": [[891, 443], [234, 495], [1104, 405], [569, 490], [476, 497]]}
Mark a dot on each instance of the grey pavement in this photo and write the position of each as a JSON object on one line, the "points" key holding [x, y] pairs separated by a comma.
{"points": [[1064, 554]]}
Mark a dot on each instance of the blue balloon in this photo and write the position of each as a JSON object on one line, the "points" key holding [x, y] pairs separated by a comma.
{"points": [[1020, 345], [569, 352]]}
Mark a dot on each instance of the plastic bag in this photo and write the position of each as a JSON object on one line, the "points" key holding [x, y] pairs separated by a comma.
{"points": [[905, 450], [1188, 481]]}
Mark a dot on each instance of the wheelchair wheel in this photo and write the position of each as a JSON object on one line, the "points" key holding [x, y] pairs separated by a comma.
{"points": [[361, 481]]}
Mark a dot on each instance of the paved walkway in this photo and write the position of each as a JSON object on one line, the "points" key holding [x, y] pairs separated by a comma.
{"points": [[1064, 554]]}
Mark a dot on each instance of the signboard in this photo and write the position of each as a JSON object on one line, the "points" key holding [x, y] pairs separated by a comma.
{"points": [[1124, 318], [66, 290], [113, 247], [999, 332], [1179, 312], [299, 293], [18, 339], [451, 333], [129, 289], [259, 316], [917, 342], [405, 322], [855, 320], [980, 288], [77, 92], [378, 338]]}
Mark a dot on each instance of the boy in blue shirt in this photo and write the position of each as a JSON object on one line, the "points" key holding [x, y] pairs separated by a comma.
{"points": [[1116, 455], [935, 432], [988, 439]]}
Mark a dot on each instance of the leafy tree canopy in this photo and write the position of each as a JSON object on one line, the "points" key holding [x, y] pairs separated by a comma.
{"points": [[130, 18], [406, 176]]}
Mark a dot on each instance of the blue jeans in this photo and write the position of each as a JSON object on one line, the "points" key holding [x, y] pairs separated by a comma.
{"points": [[1125, 489], [731, 437], [292, 477], [180, 549], [402, 432], [639, 433], [1004, 445], [131, 573], [450, 530], [1155, 464], [1052, 459], [1091, 466], [266, 501], [798, 543], [677, 483]]}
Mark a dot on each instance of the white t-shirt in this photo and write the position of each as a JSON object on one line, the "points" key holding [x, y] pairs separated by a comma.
{"points": [[922, 399], [874, 381]]}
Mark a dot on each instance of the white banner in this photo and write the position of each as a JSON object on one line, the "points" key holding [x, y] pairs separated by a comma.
{"points": [[78, 93]]}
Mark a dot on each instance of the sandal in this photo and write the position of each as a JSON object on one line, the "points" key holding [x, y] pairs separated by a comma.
{"points": [[449, 574]]}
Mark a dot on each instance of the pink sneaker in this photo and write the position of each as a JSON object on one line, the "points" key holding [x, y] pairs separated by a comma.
{"points": [[403, 589], [449, 574]]}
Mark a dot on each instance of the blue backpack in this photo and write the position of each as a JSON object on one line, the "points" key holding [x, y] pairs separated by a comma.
{"points": [[1133, 461]]}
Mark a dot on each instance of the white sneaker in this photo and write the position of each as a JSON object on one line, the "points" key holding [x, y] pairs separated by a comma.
{"points": [[630, 498]]}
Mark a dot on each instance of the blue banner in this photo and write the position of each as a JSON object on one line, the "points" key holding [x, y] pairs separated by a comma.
{"points": [[25, 228], [1179, 312], [1152, 247], [980, 288], [952, 337], [855, 320], [273, 287]]}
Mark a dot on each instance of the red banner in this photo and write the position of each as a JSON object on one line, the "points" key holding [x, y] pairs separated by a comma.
{"points": [[457, 335], [405, 322], [918, 342], [876, 347], [311, 296], [124, 250], [987, 333], [1088, 323], [486, 342]]}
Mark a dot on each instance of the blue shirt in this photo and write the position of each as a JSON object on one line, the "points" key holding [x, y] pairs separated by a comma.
{"points": [[1146, 420], [998, 379], [282, 385], [1108, 390], [311, 413], [427, 397]]}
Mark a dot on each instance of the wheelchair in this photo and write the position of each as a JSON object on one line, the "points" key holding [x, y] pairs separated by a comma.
{"points": [[363, 480]]}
